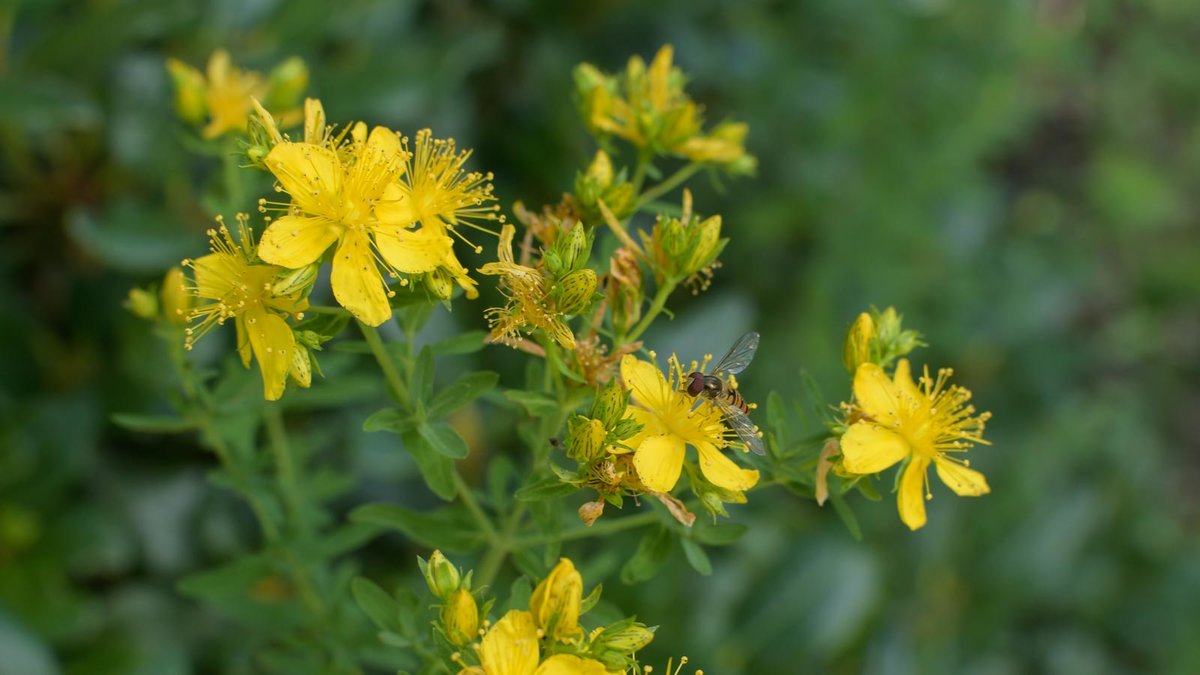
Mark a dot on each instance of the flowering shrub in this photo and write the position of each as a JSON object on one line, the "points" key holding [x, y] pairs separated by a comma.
{"points": [[379, 224]]}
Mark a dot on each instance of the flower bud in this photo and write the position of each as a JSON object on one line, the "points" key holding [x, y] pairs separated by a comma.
{"points": [[591, 511], [301, 368], [288, 282], [576, 291], [175, 299], [555, 602], [441, 575], [574, 248], [440, 283], [587, 438], [190, 91], [286, 83], [625, 639], [857, 348], [609, 406], [460, 618], [706, 244], [142, 304], [600, 171]]}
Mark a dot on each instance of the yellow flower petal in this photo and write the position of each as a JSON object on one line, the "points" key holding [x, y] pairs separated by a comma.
{"points": [[510, 646], [659, 461], [377, 165], [647, 383], [965, 482], [311, 174], [296, 241], [870, 448], [907, 390], [357, 285], [569, 664], [911, 496], [272, 342], [651, 426], [243, 340], [413, 251], [723, 471], [876, 394]]}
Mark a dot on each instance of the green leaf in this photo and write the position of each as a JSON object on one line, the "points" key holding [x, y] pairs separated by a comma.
{"points": [[461, 392], [389, 419], [437, 469], [444, 439], [591, 599], [717, 534], [154, 424], [696, 557], [537, 404], [550, 487], [463, 343], [377, 604], [449, 528], [422, 377], [867, 488], [652, 553], [846, 514]]}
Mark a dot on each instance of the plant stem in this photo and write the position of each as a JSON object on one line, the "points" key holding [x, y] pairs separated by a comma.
{"points": [[468, 498], [505, 544], [656, 306], [673, 181], [395, 382], [599, 529], [285, 464]]}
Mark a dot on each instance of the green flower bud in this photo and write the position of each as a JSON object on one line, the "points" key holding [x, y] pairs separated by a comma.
{"points": [[706, 244], [626, 428], [623, 639], [288, 282], [441, 575], [576, 291], [609, 406], [857, 348], [587, 436], [574, 248], [600, 171], [287, 83], [460, 618], [301, 368], [142, 304]]}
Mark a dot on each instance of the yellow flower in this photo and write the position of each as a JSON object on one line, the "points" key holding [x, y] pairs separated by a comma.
{"points": [[225, 92], [921, 424], [526, 290], [344, 192], [556, 601], [510, 647], [671, 420], [230, 283], [436, 191]]}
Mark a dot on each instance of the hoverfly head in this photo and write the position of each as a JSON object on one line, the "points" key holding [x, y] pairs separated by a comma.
{"points": [[695, 383]]}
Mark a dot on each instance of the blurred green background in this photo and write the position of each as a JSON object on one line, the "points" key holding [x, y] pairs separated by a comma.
{"points": [[1020, 179]]}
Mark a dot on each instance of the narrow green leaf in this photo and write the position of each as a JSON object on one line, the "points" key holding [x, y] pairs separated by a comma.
{"points": [[437, 469], [846, 514], [696, 557], [388, 419], [591, 599], [867, 488], [422, 377], [463, 343], [546, 488], [652, 553], [155, 424], [449, 528], [461, 392], [377, 604], [444, 439]]}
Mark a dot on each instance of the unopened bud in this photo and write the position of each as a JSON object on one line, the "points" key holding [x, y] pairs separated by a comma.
{"points": [[576, 291], [556, 601], [587, 438], [288, 282], [575, 248], [287, 83], [625, 639], [441, 575], [440, 283], [857, 348], [706, 244], [611, 401], [301, 368], [600, 171], [190, 90], [460, 618], [142, 304]]}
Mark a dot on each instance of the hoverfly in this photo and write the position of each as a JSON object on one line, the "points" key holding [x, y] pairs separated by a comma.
{"points": [[726, 398]]}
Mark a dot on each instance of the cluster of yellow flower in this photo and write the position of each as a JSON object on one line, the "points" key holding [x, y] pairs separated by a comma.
{"points": [[546, 638], [893, 419]]}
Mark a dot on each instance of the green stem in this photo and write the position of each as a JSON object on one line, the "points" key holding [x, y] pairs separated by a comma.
{"points": [[496, 554], [639, 171], [285, 464], [672, 182], [395, 383], [599, 529], [468, 498], [656, 306], [233, 182], [322, 309]]}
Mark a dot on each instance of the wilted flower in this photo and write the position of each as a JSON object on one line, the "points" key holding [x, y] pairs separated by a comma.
{"points": [[529, 307]]}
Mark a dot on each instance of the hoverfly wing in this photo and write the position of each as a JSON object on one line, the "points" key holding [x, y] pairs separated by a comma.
{"points": [[741, 425], [739, 355]]}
